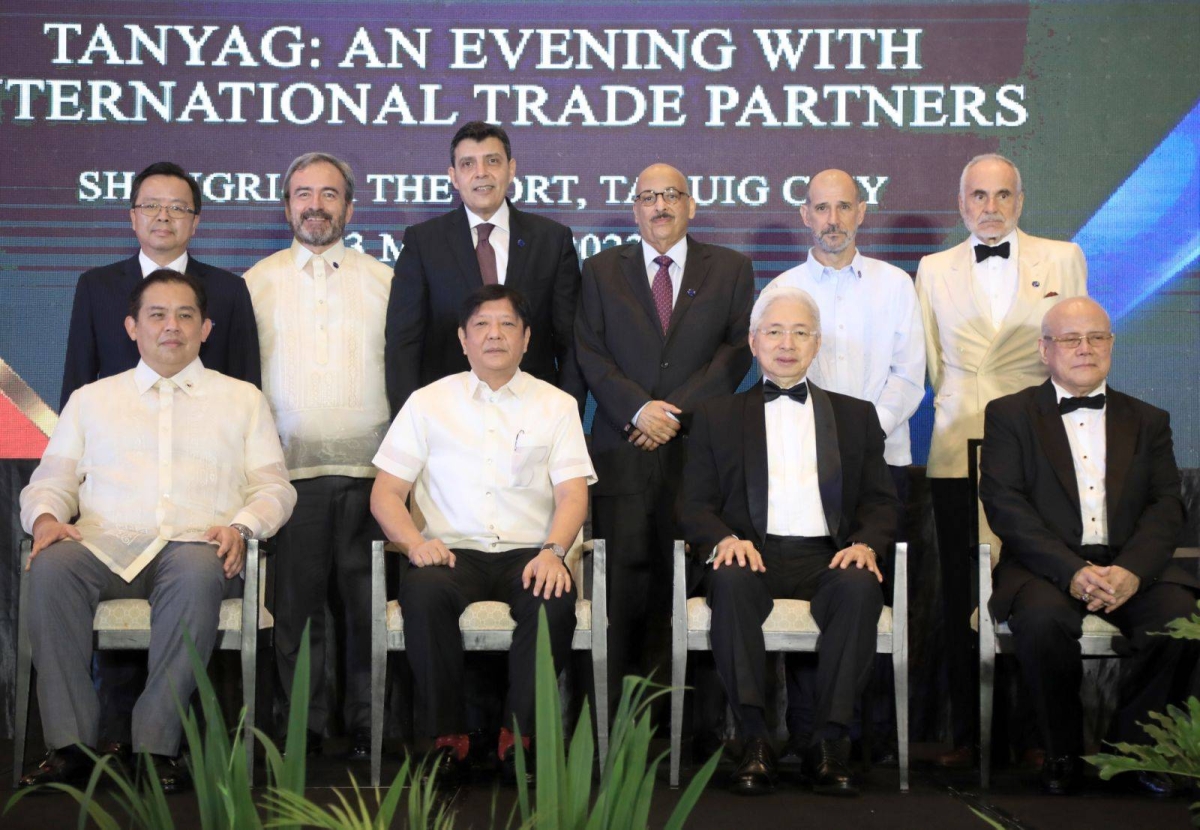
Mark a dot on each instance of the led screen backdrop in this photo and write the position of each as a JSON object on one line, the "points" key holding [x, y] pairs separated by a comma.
{"points": [[1096, 102]]}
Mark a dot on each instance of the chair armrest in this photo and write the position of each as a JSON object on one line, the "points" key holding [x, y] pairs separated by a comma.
{"points": [[984, 559], [679, 585], [900, 581], [1186, 553]]}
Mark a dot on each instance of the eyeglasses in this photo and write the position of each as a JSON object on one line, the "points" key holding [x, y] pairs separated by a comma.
{"points": [[670, 196], [151, 209], [776, 335], [1095, 339]]}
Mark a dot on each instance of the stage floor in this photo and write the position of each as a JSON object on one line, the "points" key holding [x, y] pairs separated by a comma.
{"points": [[938, 800]]}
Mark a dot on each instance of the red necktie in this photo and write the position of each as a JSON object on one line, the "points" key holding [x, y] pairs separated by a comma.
{"points": [[660, 288], [486, 254]]}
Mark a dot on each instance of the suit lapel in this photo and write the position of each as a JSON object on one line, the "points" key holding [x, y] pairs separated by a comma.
{"points": [[634, 268], [963, 289], [754, 437], [829, 459], [695, 272], [1120, 437], [1052, 436], [464, 250], [1029, 272], [518, 249]]}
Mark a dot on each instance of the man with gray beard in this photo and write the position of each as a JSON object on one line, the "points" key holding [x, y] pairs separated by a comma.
{"points": [[320, 309]]}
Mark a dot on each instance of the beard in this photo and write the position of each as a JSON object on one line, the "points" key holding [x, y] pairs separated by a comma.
{"points": [[820, 240], [337, 224]]}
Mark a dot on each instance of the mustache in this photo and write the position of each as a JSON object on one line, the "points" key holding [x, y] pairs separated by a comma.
{"points": [[663, 214], [316, 213], [832, 229]]}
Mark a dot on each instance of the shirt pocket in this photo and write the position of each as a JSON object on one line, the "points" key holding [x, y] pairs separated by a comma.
{"points": [[529, 465]]}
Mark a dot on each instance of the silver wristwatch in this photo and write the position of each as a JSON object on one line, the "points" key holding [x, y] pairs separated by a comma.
{"points": [[245, 533], [559, 550]]}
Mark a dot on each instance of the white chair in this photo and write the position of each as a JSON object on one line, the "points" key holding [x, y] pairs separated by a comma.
{"points": [[245, 625], [488, 626], [790, 627]]}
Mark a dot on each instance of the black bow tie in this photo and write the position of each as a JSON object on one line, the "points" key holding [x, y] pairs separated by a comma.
{"points": [[982, 251], [1068, 405], [798, 393]]}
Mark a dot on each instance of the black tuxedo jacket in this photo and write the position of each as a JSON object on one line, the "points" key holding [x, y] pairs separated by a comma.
{"points": [[98, 345], [627, 360], [1031, 495], [437, 270], [724, 490]]}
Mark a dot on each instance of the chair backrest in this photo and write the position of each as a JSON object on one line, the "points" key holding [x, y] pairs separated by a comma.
{"points": [[981, 531]]}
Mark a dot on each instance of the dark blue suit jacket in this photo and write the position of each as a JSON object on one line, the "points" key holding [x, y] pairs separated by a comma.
{"points": [[98, 345]]}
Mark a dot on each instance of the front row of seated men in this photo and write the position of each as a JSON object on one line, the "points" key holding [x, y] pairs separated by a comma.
{"points": [[170, 468]]}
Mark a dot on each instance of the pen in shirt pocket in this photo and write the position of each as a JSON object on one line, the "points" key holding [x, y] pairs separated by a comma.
{"points": [[517, 440]]}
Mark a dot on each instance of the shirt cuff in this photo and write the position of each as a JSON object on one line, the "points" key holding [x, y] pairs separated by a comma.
{"points": [[887, 421], [638, 414], [712, 557]]}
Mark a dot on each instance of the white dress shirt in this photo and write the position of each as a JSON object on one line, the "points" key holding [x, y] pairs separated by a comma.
{"points": [[1089, 453], [149, 266], [996, 279], [872, 340], [484, 464], [793, 486], [321, 324], [678, 255], [501, 233], [144, 460]]}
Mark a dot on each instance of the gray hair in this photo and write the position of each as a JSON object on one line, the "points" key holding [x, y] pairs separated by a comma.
{"points": [[771, 295], [962, 180], [308, 160]]}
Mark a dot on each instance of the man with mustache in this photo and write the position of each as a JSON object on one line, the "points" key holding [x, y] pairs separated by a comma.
{"points": [[662, 327], [982, 304], [485, 241], [872, 348], [320, 309]]}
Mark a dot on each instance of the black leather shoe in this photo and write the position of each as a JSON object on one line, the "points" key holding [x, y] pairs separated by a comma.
{"points": [[121, 754], [172, 774], [1154, 784], [828, 767], [1061, 774], [758, 770], [448, 771], [360, 746], [508, 767], [68, 765]]}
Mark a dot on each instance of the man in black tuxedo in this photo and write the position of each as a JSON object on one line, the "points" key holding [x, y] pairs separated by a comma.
{"points": [[786, 494], [484, 241], [164, 212], [662, 327], [1079, 482]]}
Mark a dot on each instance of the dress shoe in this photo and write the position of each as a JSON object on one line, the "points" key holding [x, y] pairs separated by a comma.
{"points": [[172, 773], [828, 768], [446, 769], [67, 765], [961, 757], [508, 767], [121, 754], [1061, 774], [758, 770], [1154, 784], [360, 746]]}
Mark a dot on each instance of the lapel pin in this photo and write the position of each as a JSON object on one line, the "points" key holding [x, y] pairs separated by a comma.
{"points": [[1037, 284], [520, 243], [691, 292]]}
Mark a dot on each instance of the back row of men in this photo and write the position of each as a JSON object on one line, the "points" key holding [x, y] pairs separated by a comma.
{"points": [[339, 344]]}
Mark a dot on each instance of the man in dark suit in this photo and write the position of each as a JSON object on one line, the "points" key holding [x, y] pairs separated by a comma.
{"points": [[786, 494], [164, 212], [484, 241], [1079, 482], [662, 327]]}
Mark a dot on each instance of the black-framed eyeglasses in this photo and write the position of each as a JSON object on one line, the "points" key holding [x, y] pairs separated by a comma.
{"points": [[670, 196], [151, 209], [1095, 339]]}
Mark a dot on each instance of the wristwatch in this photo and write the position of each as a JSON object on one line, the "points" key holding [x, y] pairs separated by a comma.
{"points": [[559, 550], [245, 533]]}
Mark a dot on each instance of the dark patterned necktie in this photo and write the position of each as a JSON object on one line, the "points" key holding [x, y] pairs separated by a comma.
{"points": [[486, 254], [661, 289]]}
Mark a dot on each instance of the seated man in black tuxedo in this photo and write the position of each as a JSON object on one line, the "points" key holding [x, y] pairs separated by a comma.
{"points": [[1080, 484], [787, 494]]}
